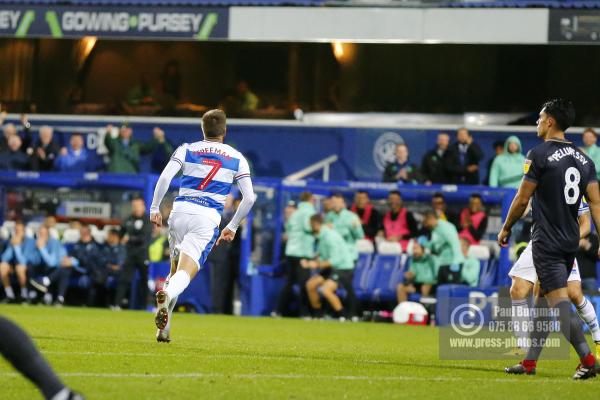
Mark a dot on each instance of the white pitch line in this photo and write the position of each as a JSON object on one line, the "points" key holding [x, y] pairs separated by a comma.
{"points": [[214, 356], [198, 375]]}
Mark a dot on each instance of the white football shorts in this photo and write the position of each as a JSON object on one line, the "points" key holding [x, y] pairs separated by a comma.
{"points": [[192, 234], [524, 268]]}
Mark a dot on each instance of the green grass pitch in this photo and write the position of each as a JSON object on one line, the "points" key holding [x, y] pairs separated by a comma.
{"points": [[113, 355]]}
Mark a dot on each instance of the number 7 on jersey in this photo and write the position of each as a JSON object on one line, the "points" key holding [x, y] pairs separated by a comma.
{"points": [[216, 166]]}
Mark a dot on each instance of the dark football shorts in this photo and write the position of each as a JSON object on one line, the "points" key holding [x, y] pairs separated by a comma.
{"points": [[552, 268], [326, 273]]}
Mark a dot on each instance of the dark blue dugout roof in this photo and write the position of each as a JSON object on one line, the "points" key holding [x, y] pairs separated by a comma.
{"points": [[168, 2]]}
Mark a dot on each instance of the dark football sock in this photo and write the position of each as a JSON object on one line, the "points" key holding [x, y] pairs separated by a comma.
{"points": [[571, 328], [19, 350], [538, 336]]}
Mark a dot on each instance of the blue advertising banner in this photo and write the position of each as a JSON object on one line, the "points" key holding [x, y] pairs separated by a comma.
{"points": [[194, 23]]}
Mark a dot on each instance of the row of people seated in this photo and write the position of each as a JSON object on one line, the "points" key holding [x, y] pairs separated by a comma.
{"points": [[45, 264], [46, 259], [322, 254], [398, 223]]}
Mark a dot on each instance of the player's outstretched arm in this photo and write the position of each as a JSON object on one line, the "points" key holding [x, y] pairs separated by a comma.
{"points": [[162, 186], [248, 198], [517, 208], [592, 194]]}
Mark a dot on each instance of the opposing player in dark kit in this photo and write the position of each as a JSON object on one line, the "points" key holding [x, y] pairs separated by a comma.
{"points": [[557, 176]]}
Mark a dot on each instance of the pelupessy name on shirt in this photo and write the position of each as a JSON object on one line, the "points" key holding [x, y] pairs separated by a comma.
{"points": [[567, 151]]}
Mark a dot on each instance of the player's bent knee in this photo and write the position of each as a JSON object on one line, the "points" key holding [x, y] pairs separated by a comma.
{"points": [[519, 289], [188, 264], [575, 292]]}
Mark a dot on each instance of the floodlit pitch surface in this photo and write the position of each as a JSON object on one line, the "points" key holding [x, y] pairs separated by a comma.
{"points": [[113, 355]]}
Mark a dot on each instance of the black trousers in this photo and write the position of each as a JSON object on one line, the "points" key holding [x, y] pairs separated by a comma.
{"points": [[136, 260], [223, 277], [344, 279], [59, 277], [99, 278], [295, 275]]}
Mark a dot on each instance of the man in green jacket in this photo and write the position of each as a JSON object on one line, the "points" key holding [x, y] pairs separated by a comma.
{"points": [[125, 151], [591, 148], [299, 245], [471, 266], [346, 223], [507, 168], [334, 266], [421, 275], [445, 247]]}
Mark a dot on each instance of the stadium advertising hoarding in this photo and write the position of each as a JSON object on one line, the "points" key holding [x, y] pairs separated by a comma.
{"points": [[194, 23], [574, 26]]}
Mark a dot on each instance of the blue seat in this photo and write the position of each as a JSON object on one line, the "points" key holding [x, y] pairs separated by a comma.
{"points": [[362, 267], [388, 289], [383, 268], [364, 280], [488, 273]]}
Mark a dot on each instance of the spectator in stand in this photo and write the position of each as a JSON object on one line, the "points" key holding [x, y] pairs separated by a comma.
{"points": [[160, 150], [300, 245], [125, 151], [399, 224], [346, 223], [142, 93], [463, 159], [14, 159], [246, 100], [15, 262], [225, 265], [170, 80], [591, 148], [440, 207], [587, 258], [470, 269], [507, 168], [401, 170], [48, 258], [333, 266], [445, 248], [45, 151], [8, 130], [137, 229], [420, 277], [113, 259], [433, 166], [87, 255], [74, 158], [370, 218], [498, 148], [473, 220]]}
